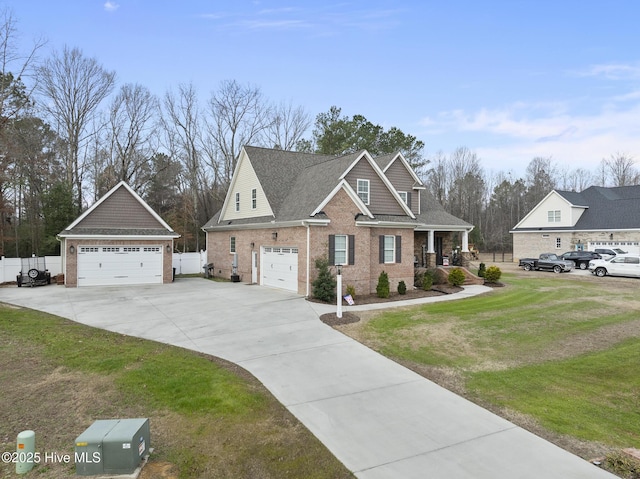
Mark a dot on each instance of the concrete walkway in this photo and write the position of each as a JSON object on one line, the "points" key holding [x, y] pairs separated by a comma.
{"points": [[377, 417]]}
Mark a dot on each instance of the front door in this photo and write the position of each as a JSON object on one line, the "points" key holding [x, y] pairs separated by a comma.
{"points": [[254, 267], [438, 248]]}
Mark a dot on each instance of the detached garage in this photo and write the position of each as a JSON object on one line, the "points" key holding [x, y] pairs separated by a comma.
{"points": [[120, 240]]}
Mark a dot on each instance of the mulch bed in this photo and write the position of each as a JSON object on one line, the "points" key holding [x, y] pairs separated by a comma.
{"points": [[437, 290]]}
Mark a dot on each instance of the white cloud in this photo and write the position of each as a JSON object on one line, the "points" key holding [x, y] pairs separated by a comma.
{"points": [[110, 6], [612, 71], [508, 138]]}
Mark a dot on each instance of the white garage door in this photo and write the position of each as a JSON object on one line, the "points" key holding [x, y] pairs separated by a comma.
{"points": [[113, 265], [279, 268]]}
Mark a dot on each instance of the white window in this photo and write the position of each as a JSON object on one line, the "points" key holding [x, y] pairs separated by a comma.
{"points": [[363, 191], [232, 244], [254, 199], [404, 196], [389, 249], [553, 216], [340, 255], [558, 243], [237, 201]]}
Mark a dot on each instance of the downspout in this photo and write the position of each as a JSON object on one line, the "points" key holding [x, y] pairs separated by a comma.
{"points": [[308, 258]]}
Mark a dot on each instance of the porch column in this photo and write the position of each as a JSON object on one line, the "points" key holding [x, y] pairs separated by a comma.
{"points": [[465, 241], [430, 242]]}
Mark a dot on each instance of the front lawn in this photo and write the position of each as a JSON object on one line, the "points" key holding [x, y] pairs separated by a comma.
{"points": [[209, 418], [558, 354]]}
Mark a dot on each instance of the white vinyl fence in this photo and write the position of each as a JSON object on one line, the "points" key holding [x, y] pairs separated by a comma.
{"points": [[189, 263], [184, 263], [10, 267]]}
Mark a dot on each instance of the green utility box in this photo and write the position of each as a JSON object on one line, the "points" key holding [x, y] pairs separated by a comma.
{"points": [[112, 446]]}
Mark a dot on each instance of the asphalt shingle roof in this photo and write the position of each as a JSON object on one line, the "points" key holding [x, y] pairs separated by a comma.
{"points": [[296, 183], [607, 208]]}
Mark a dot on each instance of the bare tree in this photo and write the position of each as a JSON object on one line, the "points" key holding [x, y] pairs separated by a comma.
{"points": [[621, 169], [576, 180], [238, 116], [182, 123], [286, 126], [131, 134], [73, 86], [14, 66], [438, 178], [541, 179]]}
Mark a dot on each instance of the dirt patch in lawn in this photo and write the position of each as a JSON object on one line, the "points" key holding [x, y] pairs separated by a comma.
{"points": [[59, 403]]}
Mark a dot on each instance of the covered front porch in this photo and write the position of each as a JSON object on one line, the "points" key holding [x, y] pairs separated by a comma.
{"points": [[441, 247]]}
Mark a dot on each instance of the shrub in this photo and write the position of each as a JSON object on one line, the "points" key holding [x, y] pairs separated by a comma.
{"points": [[492, 274], [456, 277], [482, 270], [324, 286], [402, 287], [418, 277], [351, 289], [427, 280], [382, 288]]}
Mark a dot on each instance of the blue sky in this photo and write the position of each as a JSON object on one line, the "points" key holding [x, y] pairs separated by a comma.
{"points": [[511, 80]]}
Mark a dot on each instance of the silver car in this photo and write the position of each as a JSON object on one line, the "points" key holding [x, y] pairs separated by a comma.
{"points": [[619, 265]]}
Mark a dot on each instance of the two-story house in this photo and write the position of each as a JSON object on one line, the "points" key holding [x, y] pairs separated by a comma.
{"points": [[284, 209], [597, 217]]}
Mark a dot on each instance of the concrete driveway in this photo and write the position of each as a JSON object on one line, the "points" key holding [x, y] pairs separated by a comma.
{"points": [[379, 418]]}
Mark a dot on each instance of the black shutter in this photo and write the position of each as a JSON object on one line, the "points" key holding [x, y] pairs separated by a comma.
{"points": [[352, 249], [398, 249], [332, 250], [409, 199], [381, 249]]}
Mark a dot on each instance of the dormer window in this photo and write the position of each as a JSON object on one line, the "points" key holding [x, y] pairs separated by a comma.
{"points": [[404, 196], [363, 191], [553, 216]]}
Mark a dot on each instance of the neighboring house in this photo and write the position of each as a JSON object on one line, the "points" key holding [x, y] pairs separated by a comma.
{"points": [[285, 209], [119, 240], [597, 217]]}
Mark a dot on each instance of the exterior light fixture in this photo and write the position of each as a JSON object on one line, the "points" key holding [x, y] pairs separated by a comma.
{"points": [[72, 249], [274, 235]]}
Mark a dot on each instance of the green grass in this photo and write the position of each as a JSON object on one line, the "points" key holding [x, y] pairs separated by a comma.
{"points": [[540, 346], [208, 417], [171, 377], [594, 397]]}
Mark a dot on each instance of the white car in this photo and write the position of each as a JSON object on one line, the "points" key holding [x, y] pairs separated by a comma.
{"points": [[620, 265], [608, 253]]}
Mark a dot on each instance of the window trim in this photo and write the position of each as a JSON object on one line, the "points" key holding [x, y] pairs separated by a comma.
{"points": [[391, 250], [237, 201], [254, 198], [404, 196], [350, 256], [365, 183], [337, 250], [554, 216], [232, 244]]}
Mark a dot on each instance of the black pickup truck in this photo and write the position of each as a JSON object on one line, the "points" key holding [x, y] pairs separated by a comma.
{"points": [[546, 262]]}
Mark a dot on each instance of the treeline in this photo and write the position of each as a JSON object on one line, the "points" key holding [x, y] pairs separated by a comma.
{"points": [[69, 132]]}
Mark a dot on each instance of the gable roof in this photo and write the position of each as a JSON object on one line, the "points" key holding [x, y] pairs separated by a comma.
{"points": [[120, 212], [608, 208], [296, 184], [605, 208]]}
